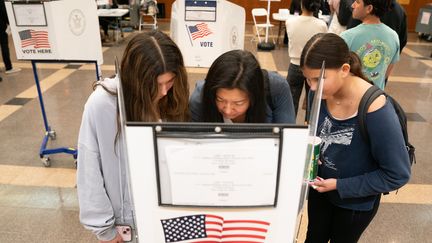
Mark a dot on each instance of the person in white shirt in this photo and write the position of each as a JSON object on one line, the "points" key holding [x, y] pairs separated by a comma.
{"points": [[300, 29]]}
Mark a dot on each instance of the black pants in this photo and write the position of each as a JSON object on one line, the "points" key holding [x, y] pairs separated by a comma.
{"points": [[104, 23], [339, 225], [4, 43], [296, 80]]}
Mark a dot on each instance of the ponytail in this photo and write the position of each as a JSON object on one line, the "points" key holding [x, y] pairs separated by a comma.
{"points": [[356, 66]]}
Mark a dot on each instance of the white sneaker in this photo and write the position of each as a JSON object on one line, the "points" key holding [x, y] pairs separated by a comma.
{"points": [[13, 70]]}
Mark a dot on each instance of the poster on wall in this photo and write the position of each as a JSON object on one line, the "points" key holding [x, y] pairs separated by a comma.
{"points": [[425, 18]]}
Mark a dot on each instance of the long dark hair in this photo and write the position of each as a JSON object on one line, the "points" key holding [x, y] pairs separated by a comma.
{"points": [[235, 69], [333, 49], [147, 56]]}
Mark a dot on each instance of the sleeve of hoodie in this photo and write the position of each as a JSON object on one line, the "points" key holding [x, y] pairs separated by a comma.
{"points": [[96, 213]]}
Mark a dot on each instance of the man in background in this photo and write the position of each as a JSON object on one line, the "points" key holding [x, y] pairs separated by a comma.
{"points": [[376, 44], [394, 18]]}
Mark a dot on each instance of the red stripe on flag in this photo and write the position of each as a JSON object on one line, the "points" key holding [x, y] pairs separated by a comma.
{"points": [[214, 223], [244, 228], [246, 221], [243, 236], [214, 230], [214, 216]]}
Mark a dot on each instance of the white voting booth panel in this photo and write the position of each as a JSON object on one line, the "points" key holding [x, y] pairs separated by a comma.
{"points": [[204, 30], [282, 218], [55, 30]]}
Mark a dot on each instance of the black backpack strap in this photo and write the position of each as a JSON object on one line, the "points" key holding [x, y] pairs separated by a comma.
{"points": [[371, 94], [403, 122]]}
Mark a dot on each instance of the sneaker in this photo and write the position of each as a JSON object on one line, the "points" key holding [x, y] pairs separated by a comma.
{"points": [[13, 70]]}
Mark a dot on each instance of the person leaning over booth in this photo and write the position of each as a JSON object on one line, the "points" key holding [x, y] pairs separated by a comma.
{"points": [[353, 172], [155, 88], [237, 90]]}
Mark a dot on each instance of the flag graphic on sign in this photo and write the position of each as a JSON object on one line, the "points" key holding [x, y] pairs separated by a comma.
{"points": [[199, 31], [35, 38], [206, 228]]}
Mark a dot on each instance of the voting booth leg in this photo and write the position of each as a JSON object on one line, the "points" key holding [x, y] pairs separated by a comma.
{"points": [[49, 133]]}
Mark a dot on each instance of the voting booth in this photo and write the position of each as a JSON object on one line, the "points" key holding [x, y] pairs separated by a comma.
{"points": [[204, 30], [55, 31], [211, 182], [216, 182]]}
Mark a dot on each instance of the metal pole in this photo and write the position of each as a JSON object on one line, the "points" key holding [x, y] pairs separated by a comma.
{"points": [[268, 20], [47, 128]]}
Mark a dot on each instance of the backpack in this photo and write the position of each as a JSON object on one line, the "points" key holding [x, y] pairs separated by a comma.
{"points": [[371, 94]]}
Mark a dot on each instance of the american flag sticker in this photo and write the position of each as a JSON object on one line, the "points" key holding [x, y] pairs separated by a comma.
{"points": [[34, 38], [199, 31], [206, 228]]}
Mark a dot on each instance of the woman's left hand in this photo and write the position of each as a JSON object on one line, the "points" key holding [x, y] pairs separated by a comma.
{"points": [[324, 185]]}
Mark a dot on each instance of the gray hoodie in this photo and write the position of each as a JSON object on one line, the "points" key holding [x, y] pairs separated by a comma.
{"points": [[102, 179]]}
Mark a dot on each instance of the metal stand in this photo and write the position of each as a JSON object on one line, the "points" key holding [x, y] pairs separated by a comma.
{"points": [[266, 45], [49, 133]]}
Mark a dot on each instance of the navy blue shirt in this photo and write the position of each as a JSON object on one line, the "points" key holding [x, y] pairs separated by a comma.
{"points": [[281, 111], [362, 170]]}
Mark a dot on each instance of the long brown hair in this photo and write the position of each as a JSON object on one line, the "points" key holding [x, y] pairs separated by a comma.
{"points": [[333, 49], [147, 56]]}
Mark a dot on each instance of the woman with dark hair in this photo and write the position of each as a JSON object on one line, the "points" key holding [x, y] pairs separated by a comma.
{"points": [[300, 30], [155, 88], [237, 90], [354, 172]]}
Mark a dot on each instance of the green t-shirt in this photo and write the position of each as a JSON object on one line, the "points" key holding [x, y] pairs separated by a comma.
{"points": [[377, 46]]}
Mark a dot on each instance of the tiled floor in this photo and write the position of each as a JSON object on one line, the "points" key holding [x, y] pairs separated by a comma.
{"points": [[39, 204]]}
